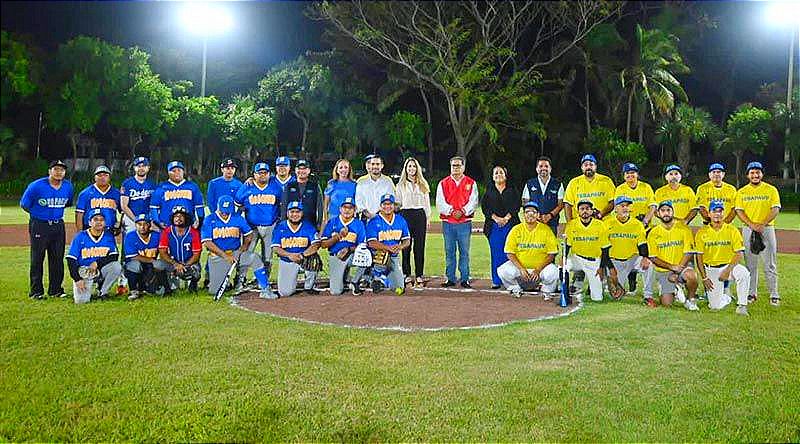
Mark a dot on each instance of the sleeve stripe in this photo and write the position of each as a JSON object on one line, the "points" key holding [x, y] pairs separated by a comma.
{"points": [[71, 257], [131, 255], [205, 239], [372, 239]]}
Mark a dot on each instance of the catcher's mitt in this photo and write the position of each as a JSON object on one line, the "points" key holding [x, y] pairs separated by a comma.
{"points": [[380, 258], [311, 263], [757, 242], [343, 254], [615, 289], [86, 272], [189, 274]]}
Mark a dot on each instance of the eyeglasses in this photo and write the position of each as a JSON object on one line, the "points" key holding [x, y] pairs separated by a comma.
{"points": [[456, 165]]}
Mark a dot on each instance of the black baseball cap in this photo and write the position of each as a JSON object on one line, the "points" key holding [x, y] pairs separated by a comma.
{"points": [[57, 163], [228, 163], [302, 163]]}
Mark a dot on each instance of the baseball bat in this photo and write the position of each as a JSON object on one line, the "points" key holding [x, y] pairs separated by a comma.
{"points": [[122, 282], [563, 301], [225, 282]]}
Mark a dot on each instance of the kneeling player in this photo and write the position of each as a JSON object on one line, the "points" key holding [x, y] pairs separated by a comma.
{"points": [[179, 248], [587, 238], [227, 235], [388, 232], [628, 251], [294, 240], [341, 236], [93, 259], [720, 248], [531, 248], [671, 248], [141, 249]]}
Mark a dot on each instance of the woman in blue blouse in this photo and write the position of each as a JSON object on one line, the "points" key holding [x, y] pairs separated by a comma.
{"points": [[339, 187]]}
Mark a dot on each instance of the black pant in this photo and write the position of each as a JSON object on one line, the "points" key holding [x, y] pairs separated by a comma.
{"points": [[416, 226], [47, 238]]}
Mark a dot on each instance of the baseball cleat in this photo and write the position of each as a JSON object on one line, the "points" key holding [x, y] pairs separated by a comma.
{"points": [[466, 284], [133, 295], [37, 296], [399, 291], [650, 302], [775, 302], [377, 286], [267, 293], [447, 284], [751, 298], [691, 305], [742, 310], [516, 292], [355, 288]]}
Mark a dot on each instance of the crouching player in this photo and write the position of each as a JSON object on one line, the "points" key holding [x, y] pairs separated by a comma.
{"points": [[671, 248], [293, 240], [628, 251], [93, 259], [720, 248], [341, 236], [141, 249], [226, 235], [179, 248], [531, 248], [587, 238], [388, 232]]}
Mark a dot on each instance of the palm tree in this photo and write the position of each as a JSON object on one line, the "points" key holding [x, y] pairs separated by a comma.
{"points": [[688, 125], [651, 79], [747, 129]]}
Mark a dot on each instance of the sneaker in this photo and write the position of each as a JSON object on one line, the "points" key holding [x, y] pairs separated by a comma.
{"points": [[267, 293], [60, 294], [466, 284], [751, 298], [447, 284], [377, 286], [419, 283], [691, 305], [133, 295], [742, 310], [516, 292], [775, 302], [192, 287], [702, 297], [547, 297], [312, 291], [496, 287], [37, 296], [103, 297], [355, 287], [399, 291], [650, 302]]}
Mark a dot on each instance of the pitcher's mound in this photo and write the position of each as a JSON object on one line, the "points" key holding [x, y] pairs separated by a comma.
{"points": [[431, 308]]}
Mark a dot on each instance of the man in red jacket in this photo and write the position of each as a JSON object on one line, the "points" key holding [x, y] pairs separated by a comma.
{"points": [[456, 200]]}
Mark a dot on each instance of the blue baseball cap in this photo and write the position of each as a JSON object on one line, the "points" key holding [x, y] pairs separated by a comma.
{"points": [[348, 201], [622, 199], [387, 198], [295, 205], [225, 204], [630, 167], [282, 160], [716, 205], [141, 160], [96, 212], [663, 203], [754, 166], [175, 164], [716, 166], [672, 167], [530, 204], [142, 218], [589, 157], [101, 169], [260, 166]]}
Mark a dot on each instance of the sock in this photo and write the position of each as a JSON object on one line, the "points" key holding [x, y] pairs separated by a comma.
{"points": [[262, 277]]}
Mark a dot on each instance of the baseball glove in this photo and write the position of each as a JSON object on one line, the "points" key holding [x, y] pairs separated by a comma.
{"points": [[380, 258], [189, 274], [756, 242], [343, 254], [311, 263], [616, 290], [87, 272]]}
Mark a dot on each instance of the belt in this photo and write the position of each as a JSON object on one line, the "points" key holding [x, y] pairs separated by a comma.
{"points": [[717, 266], [616, 259], [48, 222], [590, 259]]}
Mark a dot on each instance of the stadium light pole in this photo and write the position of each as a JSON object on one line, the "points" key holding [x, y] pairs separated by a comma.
{"points": [[205, 20], [787, 13]]}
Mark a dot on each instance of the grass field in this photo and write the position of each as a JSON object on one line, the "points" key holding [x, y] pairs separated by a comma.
{"points": [[186, 369]]}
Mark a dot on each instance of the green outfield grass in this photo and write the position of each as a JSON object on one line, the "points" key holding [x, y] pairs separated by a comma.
{"points": [[187, 369]]}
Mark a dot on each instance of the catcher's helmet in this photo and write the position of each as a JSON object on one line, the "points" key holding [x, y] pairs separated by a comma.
{"points": [[362, 257]]}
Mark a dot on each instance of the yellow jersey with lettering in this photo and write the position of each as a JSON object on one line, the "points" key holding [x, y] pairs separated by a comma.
{"points": [[642, 196], [758, 201], [683, 199], [726, 193], [670, 244], [718, 247], [625, 237], [600, 191], [531, 247], [587, 240]]}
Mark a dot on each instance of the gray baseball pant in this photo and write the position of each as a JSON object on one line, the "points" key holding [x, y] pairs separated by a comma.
{"points": [[263, 233], [624, 268], [769, 256], [287, 278], [218, 267], [109, 273], [339, 271]]}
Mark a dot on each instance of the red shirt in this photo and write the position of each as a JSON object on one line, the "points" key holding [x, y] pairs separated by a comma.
{"points": [[457, 196]]}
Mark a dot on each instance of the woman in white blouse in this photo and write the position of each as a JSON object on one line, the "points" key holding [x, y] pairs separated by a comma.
{"points": [[413, 199]]}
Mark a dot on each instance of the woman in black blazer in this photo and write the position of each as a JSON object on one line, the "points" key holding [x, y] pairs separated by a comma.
{"points": [[500, 204]]}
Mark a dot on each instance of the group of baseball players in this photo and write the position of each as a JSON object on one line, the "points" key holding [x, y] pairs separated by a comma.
{"points": [[611, 233]]}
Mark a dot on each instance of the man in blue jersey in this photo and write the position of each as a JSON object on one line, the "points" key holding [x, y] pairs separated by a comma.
{"points": [[44, 200], [283, 172], [93, 259], [179, 249], [141, 250], [135, 193], [341, 236], [225, 185], [261, 203], [388, 232], [292, 240], [99, 195], [176, 191], [227, 236]]}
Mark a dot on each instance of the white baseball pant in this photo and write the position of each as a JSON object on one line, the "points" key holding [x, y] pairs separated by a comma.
{"points": [[589, 268], [510, 276], [717, 299]]}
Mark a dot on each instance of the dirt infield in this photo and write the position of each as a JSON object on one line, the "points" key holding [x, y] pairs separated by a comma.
{"points": [[17, 235], [431, 308]]}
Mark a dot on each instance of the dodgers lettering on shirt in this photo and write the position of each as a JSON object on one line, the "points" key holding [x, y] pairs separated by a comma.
{"points": [[180, 247], [91, 197], [219, 187], [388, 232], [138, 194], [356, 233], [294, 241], [136, 246], [44, 202], [86, 249], [167, 195], [262, 205], [225, 233]]}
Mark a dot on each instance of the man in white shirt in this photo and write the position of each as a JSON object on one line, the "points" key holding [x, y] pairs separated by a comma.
{"points": [[371, 186], [456, 200]]}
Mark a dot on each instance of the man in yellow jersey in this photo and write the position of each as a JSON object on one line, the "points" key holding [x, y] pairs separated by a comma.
{"points": [[716, 190], [628, 250], [590, 186], [684, 202], [587, 239], [644, 203], [719, 250], [757, 205], [670, 245], [531, 248]]}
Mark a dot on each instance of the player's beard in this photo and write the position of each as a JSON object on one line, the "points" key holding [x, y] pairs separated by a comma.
{"points": [[666, 219], [588, 173]]}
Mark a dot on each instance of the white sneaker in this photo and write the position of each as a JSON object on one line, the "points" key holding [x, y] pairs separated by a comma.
{"points": [[134, 294], [267, 294], [691, 305], [516, 291], [680, 296], [742, 310]]}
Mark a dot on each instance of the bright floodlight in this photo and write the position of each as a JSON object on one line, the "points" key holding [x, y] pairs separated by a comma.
{"points": [[206, 19], [784, 12]]}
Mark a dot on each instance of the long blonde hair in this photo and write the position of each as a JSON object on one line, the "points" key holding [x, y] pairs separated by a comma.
{"points": [[420, 178], [335, 174]]}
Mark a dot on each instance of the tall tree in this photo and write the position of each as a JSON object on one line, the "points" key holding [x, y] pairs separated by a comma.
{"points": [[787, 121], [199, 119], [686, 126], [19, 71], [250, 128], [406, 131], [747, 129]]}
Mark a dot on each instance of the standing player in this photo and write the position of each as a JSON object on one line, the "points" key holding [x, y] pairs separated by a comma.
{"points": [[341, 236], [671, 248], [587, 239], [44, 200], [547, 192], [531, 248], [293, 240], [388, 232], [261, 203], [306, 191], [641, 193], [283, 172], [628, 249], [757, 205], [141, 250], [371, 186], [135, 193], [226, 236], [179, 248], [99, 195], [715, 190], [225, 185], [590, 186], [93, 259], [684, 201], [719, 251], [173, 192]]}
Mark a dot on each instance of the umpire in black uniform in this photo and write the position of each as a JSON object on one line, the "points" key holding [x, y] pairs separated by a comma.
{"points": [[306, 190], [44, 200]]}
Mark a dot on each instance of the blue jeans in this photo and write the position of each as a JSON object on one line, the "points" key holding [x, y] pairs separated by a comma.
{"points": [[497, 243], [456, 235]]}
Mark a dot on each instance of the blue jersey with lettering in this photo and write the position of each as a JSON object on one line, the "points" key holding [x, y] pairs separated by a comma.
{"points": [[138, 194], [294, 241], [91, 197], [180, 247], [44, 202], [219, 187], [87, 249], [337, 191], [262, 205], [388, 232], [356, 233], [283, 184], [227, 233], [168, 194], [135, 245]]}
